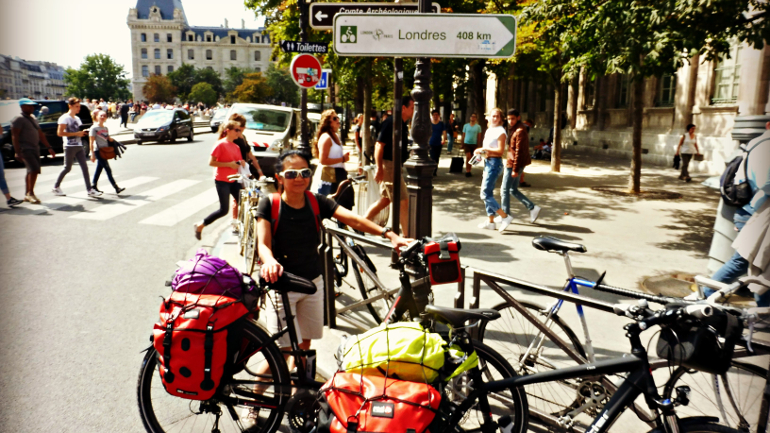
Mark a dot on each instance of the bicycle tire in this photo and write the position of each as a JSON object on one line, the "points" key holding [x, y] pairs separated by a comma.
{"points": [[162, 412], [378, 309], [243, 200], [700, 427], [512, 334], [250, 253], [746, 382], [511, 402]]}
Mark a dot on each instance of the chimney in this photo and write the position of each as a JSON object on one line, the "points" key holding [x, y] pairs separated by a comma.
{"points": [[226, 26], [243, 23]]}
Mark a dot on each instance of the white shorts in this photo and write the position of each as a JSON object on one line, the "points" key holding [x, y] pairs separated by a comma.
{"points": [[308, 311]]}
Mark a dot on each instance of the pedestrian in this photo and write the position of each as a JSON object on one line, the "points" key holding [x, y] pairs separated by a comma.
{"points": [[254, 169], [437, 138], [27, 136], [384, 173], [357, 122], [10, 201], [452, 129], [687, 144], [69, 127], [471, 137], [225, 158], [124, 110], [518, 158], [99, 137], [331, 157], [492, 150], [530, 124]]}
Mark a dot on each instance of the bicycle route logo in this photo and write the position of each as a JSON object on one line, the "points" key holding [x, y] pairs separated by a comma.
{"points": [[349, 34]]}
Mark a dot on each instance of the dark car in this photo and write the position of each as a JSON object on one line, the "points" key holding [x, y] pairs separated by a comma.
{"points": [[162, 125], [217, 119], [47, 114]]}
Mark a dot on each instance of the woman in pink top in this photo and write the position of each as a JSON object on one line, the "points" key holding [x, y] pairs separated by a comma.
{"points": [[226, 157]]}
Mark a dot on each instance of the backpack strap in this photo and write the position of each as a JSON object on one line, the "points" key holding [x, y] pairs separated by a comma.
{"points": [[168, 376], [316, 210], [208, 347], [275, 211]]}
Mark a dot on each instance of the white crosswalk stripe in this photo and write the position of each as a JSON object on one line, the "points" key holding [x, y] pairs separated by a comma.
{"points": [[81, 197], [44, 179], [183, 210], [119, 207]]}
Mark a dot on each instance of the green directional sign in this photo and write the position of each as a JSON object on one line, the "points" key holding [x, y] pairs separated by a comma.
{"points": [[425, 35]]}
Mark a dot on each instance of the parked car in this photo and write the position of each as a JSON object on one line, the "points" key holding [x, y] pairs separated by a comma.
{"points": [[217, 119], [162, 125], [47, 117], [270, 129]]}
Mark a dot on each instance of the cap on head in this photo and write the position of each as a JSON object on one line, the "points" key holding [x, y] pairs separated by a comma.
{"points": [[27, 101]]}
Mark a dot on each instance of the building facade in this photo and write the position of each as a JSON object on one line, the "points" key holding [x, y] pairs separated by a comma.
{"points": [[30, 79], [598, 112], [162, 40]]}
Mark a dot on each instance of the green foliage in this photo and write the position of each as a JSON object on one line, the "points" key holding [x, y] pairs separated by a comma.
{"points": [[254, 89], [98, 77], [158, 88], [183, 79], [206, 75], [234, 77], [203, 92], [283, 87]]}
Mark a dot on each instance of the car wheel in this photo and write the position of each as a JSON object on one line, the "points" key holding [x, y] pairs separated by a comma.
{"points": [[173, 137], [139, 142], [191, 136]]}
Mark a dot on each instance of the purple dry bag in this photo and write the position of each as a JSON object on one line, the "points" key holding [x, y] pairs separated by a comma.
{"points": [[208, 275]]}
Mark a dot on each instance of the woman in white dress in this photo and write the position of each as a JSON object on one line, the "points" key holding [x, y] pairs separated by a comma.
{"points": [[331, 157], [687, 144]]}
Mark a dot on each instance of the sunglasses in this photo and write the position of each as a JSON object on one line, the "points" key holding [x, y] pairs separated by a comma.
{"points": [[335, 118], [304, 173]]}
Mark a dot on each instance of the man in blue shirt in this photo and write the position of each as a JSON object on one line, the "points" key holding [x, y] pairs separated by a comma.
{"points": [[471, 139], [437, 137]]}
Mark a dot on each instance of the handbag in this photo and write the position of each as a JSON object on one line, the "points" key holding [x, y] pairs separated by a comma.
{"points": [[677, 160], [328, 174], [107, 152], [697, 157]]}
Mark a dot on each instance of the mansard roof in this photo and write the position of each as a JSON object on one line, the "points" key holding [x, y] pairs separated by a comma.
{"points": [[222, 32], [166, 8]]}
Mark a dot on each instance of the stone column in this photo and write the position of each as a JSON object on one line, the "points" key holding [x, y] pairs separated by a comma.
{"points": [[752, 91], [684, 97]]}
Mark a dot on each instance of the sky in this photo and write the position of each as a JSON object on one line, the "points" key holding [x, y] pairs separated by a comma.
{"points": [[66, 31]]}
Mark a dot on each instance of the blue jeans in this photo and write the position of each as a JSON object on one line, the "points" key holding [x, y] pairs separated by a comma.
{"points": [[102, 164], [511, 188], [492, 169], [450, 140], [729, 273], [3, 185]]}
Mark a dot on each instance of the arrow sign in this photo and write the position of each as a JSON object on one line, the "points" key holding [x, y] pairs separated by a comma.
{"points": [[304, 47], [425, 35], [322, 14]]}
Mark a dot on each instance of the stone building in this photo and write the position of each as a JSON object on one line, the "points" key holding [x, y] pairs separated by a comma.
{"points": [[598, 112], [30, 79], [162, 40]]}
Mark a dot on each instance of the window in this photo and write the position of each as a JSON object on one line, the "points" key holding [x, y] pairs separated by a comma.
{"points": [[169, 54], [157, 53], [233, 56], [169, 38], [666, 91], [145, 71], [727, 77], [143, 37], [157, 69], [623, 90], [189, 38], [208, 55], [156, 37], [191, 54], [232, 39], [257, 56], [144, 53], [208, 38], [170, 69]]}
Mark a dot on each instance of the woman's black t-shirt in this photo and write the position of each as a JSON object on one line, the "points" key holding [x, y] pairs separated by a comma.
{"points": [[244, 148], [295, 244]]}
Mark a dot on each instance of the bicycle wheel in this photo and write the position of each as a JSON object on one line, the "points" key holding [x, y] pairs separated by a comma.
{"points": [[254, 410], [243, 204], [710, 394], [530, 352], [379, 308], [251, 241], [700, 427], [510, 402]]}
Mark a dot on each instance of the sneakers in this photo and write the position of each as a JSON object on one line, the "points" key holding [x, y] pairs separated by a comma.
{"points": [[31, 199], [94, 193], [235, 226], [97, 189], [498, 219], [467, 174], [58, 191], [506, 222], [118, 190], [487, 225], [11, 202], [533, 214]]}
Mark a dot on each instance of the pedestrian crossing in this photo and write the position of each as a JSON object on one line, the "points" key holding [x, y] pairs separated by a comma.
{"points": [[173, 200]]}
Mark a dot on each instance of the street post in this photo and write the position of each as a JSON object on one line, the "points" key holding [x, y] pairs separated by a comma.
{"points": [[398, 90], [304, 145]]}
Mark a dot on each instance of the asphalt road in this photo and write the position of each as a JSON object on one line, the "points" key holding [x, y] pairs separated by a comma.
{"points": [[81, 279]]}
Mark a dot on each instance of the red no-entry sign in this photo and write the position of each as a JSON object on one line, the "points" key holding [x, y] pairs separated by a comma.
{"points": [[305, 70]]}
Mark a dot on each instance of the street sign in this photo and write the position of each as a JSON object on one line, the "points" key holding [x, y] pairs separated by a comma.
{"points": [[323, 83], [322, 14], [425, 35], [304, 47], [305, 70]]}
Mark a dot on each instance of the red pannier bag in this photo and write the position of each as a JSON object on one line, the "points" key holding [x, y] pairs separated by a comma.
{"points": [[443, 258], [361, 403], [191, 339]]}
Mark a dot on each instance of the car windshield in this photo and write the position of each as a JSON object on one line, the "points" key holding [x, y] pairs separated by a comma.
{"points": [[263, 119], [157, 117], [220, 114]]}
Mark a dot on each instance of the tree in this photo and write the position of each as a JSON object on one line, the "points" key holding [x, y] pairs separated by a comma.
{"points": [[206, 75], [284, 89], [254, 88], [98, 77], [234, 77], [203, 92], [183, 78], [158, 88]]}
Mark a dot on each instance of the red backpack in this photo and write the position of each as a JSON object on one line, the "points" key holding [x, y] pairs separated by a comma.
{"points": [[275, 210], [191, 339]]}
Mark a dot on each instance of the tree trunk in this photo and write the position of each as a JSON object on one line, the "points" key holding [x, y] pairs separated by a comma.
{"points": [[359, 100], [558, 88], [477, 90], [436, 84], [367, 111], [448, 99], [636, 160]]}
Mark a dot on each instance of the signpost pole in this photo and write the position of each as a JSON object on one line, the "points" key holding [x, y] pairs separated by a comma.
{"points": [[303, 23], [419, 166], [398, 90]]}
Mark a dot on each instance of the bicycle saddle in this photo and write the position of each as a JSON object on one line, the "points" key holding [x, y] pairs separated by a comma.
{"points": [[291, 283], [458, 316], [553, 245]]}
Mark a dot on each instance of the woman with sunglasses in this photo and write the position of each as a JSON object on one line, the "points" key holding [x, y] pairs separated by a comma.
{"points": [[331, 158], [294, 248], [225, 158]]}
